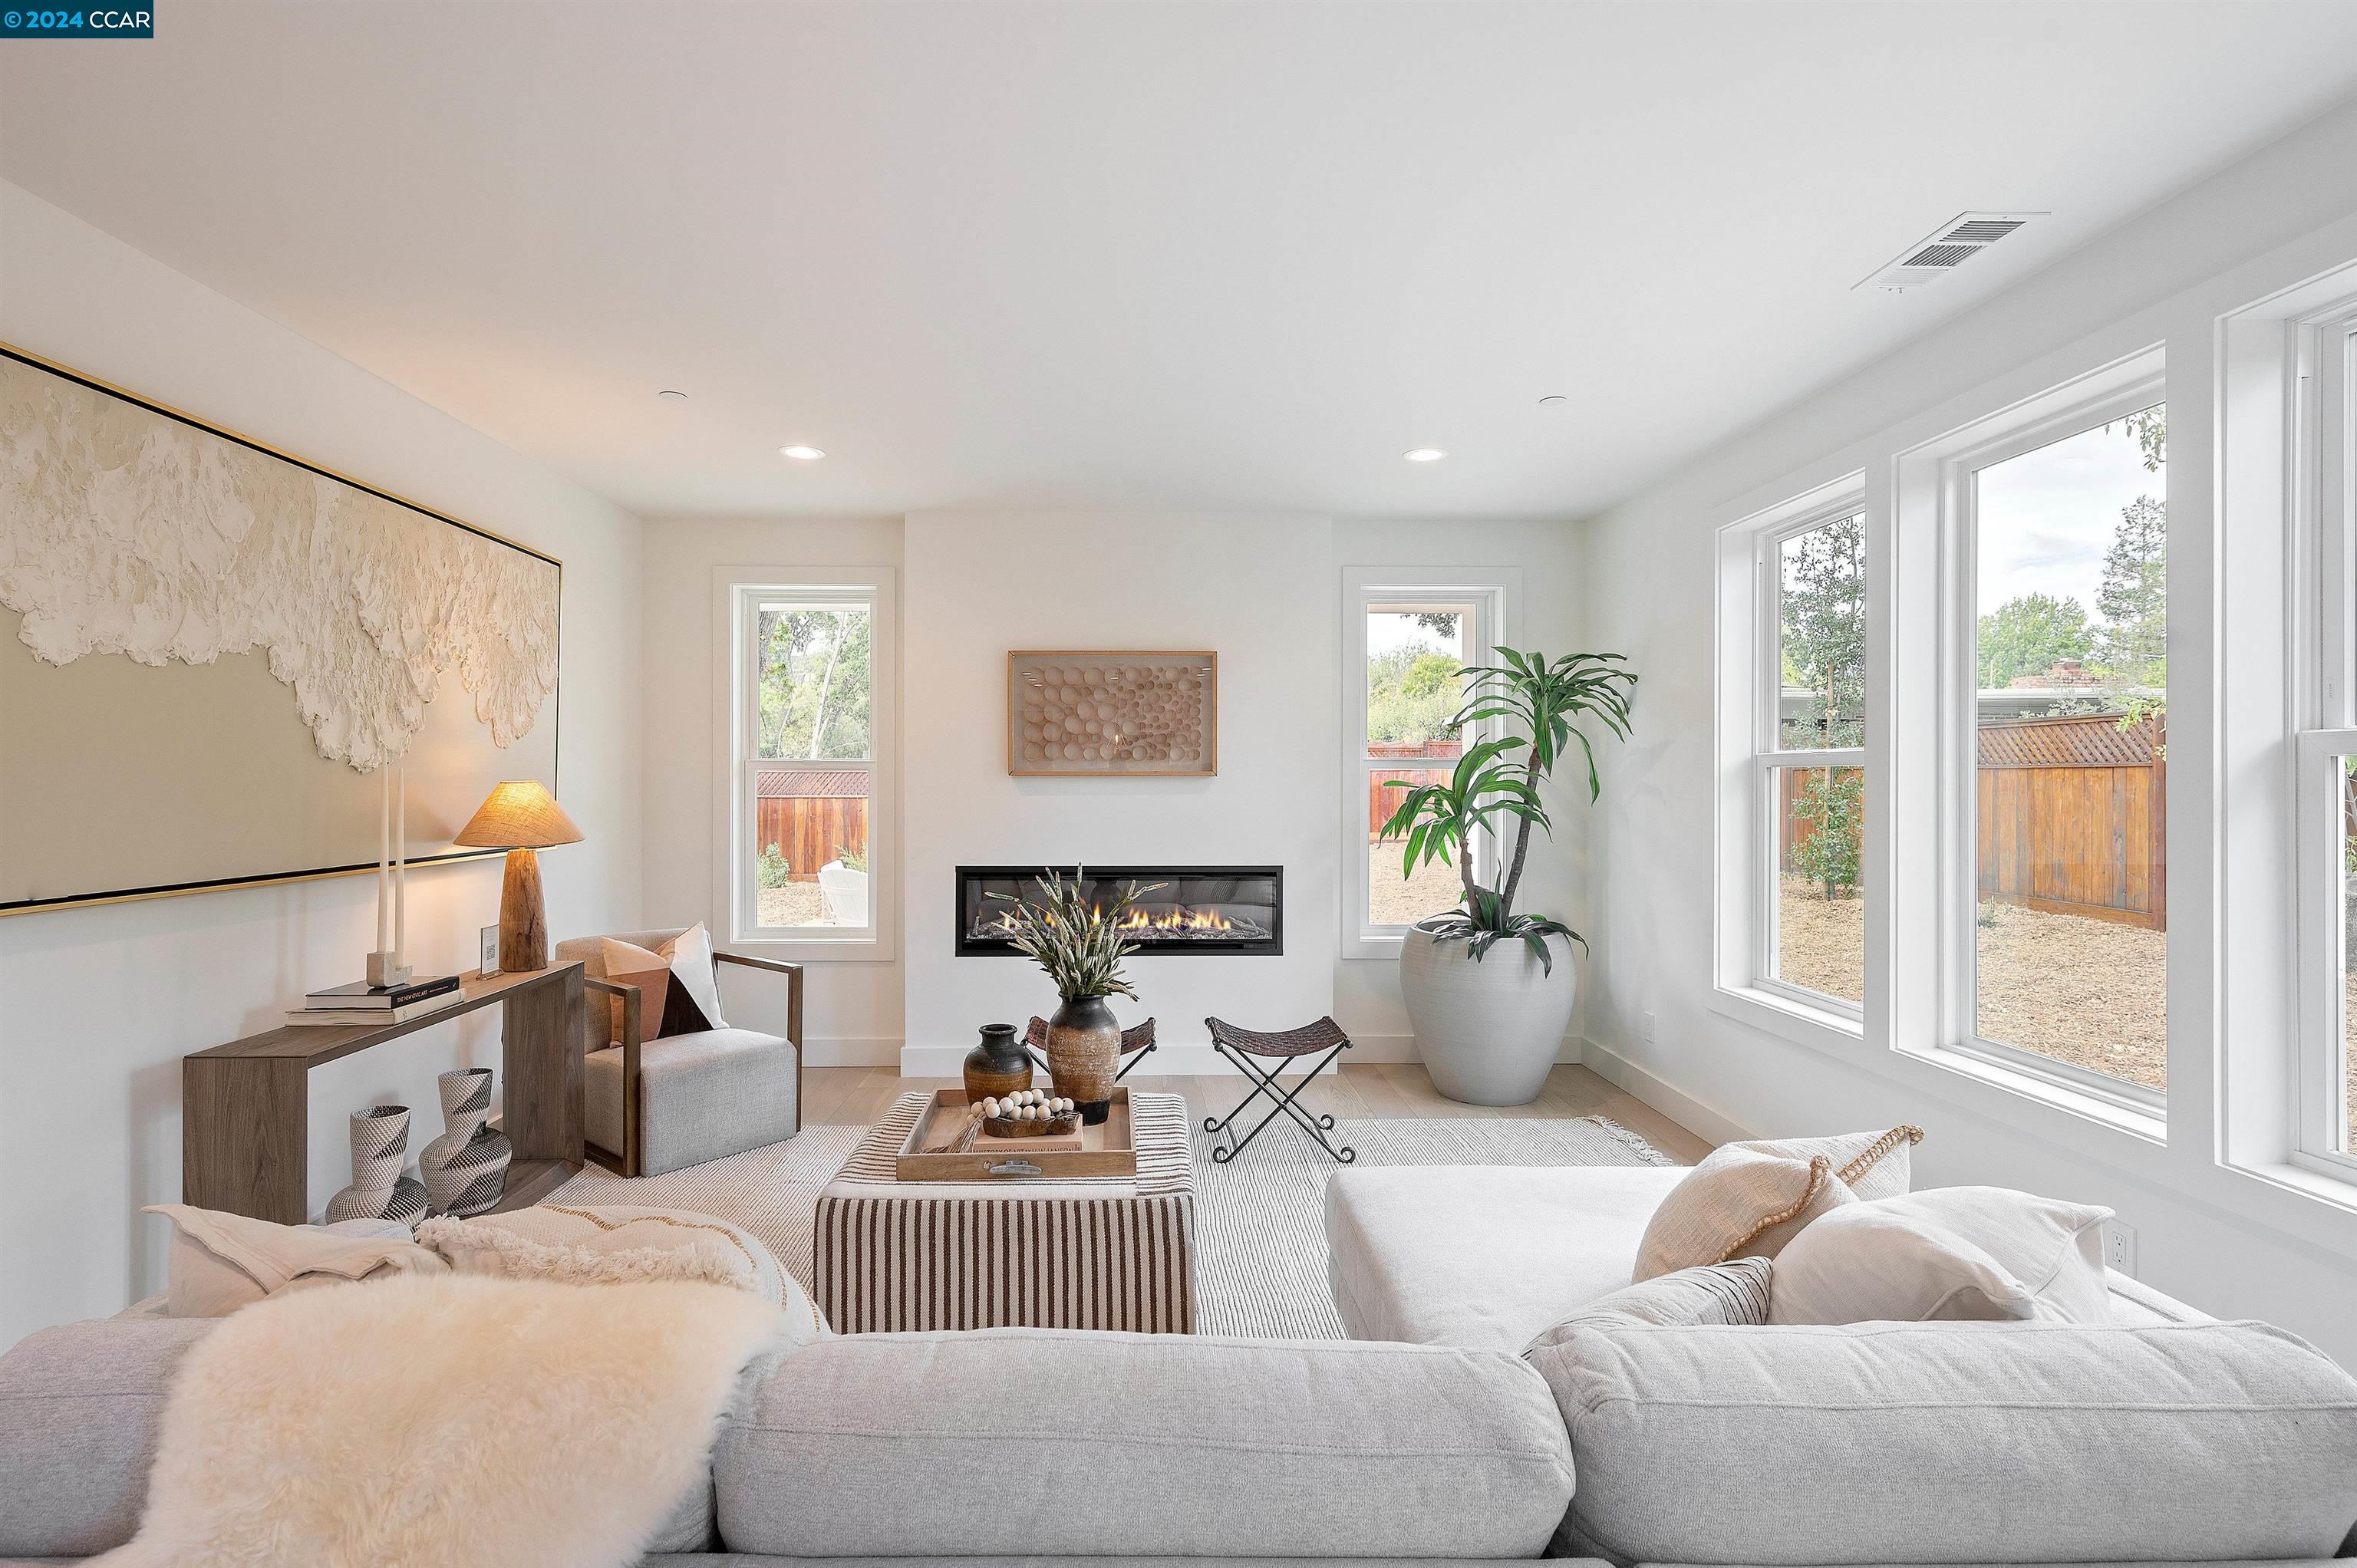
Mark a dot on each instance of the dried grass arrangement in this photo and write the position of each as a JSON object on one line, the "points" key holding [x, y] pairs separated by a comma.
{"points": [[1075, 939]]}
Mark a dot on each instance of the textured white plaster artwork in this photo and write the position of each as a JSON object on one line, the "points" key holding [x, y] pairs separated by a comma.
{"points": [[126, 532]]}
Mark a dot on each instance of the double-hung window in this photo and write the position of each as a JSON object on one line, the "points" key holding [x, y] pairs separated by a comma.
{"points": [[2325, 509], [1808, 772], [1407, 634], [2058, 729], [807, 780]]}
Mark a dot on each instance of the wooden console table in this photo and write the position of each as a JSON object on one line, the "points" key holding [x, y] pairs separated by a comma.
{"points": [[245, 1106]]}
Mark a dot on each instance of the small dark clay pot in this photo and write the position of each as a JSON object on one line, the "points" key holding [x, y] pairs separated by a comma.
{"points": [[998, 1067]]}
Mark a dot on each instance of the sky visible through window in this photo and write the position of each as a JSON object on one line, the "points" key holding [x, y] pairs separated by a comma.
{"points": [[2046, 543]]}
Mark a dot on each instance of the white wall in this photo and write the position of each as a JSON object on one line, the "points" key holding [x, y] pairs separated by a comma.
{"points": [[97, 1005], [1554, 881], [851, 1010], [1260, 590], [2223, 1239]]}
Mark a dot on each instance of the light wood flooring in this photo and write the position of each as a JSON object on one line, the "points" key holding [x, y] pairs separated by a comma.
{"points": [[855, 1096]]}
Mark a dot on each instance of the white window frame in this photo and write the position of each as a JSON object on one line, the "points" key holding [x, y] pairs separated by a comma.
{"points": [[1935, 498], [737, 592], [1749, 834], [2321, 398], [1496, 594]]}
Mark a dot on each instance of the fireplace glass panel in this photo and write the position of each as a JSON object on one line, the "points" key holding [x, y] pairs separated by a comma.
{"points": [[1202, 911]]}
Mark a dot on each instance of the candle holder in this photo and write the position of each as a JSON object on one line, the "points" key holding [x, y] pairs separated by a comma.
{"points": [[388, 965]]}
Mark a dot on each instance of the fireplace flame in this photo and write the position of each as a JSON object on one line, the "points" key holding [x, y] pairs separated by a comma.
{"points": [[1177, 920]]}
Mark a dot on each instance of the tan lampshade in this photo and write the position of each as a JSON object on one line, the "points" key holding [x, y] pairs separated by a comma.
{"points": [[519, 815]]}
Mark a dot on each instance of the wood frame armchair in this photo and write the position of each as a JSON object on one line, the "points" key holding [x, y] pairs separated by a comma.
{"points": [[630, 1159]]}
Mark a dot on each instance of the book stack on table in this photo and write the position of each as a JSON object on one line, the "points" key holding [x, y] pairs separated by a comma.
{"points": [[357, 1002]]}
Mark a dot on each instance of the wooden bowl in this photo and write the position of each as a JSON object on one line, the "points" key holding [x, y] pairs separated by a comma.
{"points": [[1007, 1127]]}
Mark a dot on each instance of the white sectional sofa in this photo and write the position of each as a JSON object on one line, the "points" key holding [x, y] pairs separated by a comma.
{"points": [[2164, 1436], [1432, 1439]]}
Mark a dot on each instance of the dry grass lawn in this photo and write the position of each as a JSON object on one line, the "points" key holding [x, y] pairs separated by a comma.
{"points": [[795, 904], [1433, 889], [2085, 991]]}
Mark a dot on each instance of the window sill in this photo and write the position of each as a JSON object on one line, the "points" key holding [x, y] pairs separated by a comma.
{"points": [[1789, 1017], [868, 948], [2151, 1126], [2309, 1181]]}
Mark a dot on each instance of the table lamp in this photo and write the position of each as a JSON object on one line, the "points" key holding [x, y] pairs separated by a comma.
{"points": [[521, 819]]}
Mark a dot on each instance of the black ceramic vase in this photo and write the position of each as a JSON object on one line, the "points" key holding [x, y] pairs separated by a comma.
{"points": [[1084, 1055], [998, 1067]]}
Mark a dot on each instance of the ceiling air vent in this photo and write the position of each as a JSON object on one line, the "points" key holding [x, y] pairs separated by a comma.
{"points": [[1946, 247]]}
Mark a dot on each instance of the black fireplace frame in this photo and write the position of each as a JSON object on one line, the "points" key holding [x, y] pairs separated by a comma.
{"points": [[1270, 946]]}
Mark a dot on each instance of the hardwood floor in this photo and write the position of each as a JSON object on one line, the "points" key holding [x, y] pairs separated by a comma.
{"points": [[855, 1096]]}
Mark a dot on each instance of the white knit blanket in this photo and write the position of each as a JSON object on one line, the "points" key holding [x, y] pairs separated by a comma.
{"points": [[445, 1420]]}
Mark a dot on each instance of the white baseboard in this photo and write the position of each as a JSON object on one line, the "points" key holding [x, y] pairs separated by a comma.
{"points": [[1191, 1061], [1672, 1103], [850, 1051]]}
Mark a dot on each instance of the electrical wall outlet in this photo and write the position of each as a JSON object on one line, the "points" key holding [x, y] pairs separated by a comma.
{"points": [[1645, 1027], [2119, 1246]]}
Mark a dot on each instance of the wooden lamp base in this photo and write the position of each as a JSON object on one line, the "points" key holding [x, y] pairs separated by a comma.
{"points": [[524, 916]]}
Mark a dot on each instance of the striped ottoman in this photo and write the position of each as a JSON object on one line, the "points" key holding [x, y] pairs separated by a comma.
{"points": [[1094, 1252]]}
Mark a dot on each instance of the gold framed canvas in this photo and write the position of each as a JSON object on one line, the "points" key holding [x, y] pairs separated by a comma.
{"points": [[1113, 713], [212, 650]]}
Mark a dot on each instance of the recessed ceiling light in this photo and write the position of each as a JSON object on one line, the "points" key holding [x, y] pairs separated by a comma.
{"points": [[802, 453], [1424, 454], [1554, 400], [670, 396]]}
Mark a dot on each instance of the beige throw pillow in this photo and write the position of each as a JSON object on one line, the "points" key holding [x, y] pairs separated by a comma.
{"points": [[1972, 1252], [1749, 1199], [684, 1000], [221, 1261]]}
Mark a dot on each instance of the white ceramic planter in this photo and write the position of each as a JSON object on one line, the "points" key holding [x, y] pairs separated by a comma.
{"points": [[1488, 1032], [843, 892]]}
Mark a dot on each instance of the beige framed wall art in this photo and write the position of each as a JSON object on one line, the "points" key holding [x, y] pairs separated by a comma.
{"points": [[1108, 713], [210, 652]]}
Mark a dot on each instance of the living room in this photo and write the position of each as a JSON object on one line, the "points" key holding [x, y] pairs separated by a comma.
{"points": [[913, 617]]}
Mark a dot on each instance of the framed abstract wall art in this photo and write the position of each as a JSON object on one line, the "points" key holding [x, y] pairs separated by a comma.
{"points": [[211, 648], [1113, 713]]}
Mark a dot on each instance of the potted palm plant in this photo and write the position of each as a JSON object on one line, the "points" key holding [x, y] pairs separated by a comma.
{"points": [[1079, 942], [1487, 999]]}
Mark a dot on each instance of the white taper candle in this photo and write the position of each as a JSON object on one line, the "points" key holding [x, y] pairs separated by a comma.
{"points": [[401, 868], [383, 856]]}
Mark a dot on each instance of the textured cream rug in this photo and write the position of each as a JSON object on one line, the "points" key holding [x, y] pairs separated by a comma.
{"points": [[1260, 1220], [445, 1421]]}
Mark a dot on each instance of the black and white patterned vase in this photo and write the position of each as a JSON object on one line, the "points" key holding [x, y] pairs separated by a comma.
{"points": [[466, 1169], [379, 1190]]}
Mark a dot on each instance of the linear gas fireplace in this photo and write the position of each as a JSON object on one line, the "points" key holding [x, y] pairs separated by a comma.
{"points": [[1198, 910]]}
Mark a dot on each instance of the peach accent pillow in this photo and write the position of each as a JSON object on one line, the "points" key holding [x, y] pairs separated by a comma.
{"points": [[1748, 1199]]}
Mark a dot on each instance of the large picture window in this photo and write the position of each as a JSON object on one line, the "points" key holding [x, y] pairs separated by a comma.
{"points": [[810, 722]]}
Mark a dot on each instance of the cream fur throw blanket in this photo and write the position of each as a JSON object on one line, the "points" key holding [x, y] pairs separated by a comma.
{"points": [[445, 1420]]}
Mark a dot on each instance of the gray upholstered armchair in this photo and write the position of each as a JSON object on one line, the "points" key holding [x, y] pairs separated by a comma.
{"points": [[656, 1105]]}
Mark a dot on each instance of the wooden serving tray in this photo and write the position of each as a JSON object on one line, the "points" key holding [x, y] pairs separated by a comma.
{"points": [[1108, 1149]]}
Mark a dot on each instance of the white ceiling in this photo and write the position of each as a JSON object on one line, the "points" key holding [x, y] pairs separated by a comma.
{"points": [[1131, 254]]}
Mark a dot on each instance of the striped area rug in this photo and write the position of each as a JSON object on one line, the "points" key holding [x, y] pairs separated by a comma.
{"points": [[1261, 1242]]}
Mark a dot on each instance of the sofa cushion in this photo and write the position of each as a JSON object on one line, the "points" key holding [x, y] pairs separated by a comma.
{"points": [[1025, 1441], [80, 1409], [1952, 1252], [1482, 1257], [1990, 1443], [701, 1097]]}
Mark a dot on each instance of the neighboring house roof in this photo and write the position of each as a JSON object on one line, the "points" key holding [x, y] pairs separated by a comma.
{"points": [[827, 783]]}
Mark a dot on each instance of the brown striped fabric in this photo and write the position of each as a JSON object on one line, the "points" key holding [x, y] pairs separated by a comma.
{"points": [[1112, 1252]]}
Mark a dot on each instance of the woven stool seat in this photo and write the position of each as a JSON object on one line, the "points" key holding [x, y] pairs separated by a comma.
{"points": [[1322, 1035], [1240, 1046]]}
